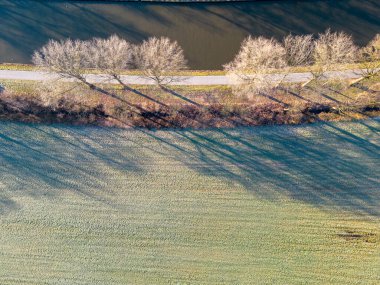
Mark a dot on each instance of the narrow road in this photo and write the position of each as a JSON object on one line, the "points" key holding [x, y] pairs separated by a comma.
{"points": [[180, 80]]}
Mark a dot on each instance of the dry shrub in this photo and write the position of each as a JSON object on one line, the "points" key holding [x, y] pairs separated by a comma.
{"points": [[51, 92], [65, 110]]}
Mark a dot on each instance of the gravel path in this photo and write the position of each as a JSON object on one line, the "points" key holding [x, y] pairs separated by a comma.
{"points": [[181, 80]]}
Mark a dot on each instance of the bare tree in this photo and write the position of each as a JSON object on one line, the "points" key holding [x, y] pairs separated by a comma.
{"points": [[68, 59], [257, 57], [158, 58], [370, 59], [112, 56], [331, 50], [299, 50]]}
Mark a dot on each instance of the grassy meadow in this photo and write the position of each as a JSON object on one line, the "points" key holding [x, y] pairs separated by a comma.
{"points": [[261, 205]]}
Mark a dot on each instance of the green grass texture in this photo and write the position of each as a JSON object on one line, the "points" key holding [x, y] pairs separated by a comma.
{"points": [[260, 205]]}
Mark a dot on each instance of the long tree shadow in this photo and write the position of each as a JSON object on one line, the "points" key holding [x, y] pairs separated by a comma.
{"points": [[365, 88], [41, 161], [180, 96], [295, 94], [322, 94], [137, 92], [239, 120], [327, 165]]}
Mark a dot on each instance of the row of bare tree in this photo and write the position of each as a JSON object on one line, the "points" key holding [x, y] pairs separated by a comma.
{"points": [[319, 55], [160, 58], [155, 57]]}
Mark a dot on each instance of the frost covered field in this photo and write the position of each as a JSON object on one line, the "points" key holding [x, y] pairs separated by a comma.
{"points": [[264, 205]]}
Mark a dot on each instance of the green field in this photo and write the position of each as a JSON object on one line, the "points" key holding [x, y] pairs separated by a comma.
{"points": [[264, 205]]}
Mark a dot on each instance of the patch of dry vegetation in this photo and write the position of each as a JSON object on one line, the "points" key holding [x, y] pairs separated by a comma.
{"points": [[187, 106]]}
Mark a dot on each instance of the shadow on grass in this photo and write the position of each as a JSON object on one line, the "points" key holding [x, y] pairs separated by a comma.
{"points": [[365, 88], [327, 165], [40, 161]]}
